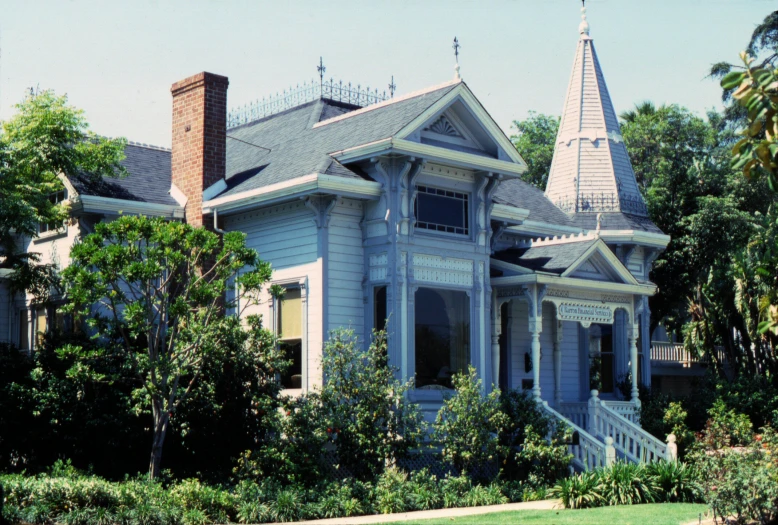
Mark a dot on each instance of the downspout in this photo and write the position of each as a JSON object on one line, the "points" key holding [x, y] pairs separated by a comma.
{"points": [[216, 222]]}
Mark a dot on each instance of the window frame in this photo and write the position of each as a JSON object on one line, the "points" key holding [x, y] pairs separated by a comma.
{"points": [[47, 231], [302, 285], [441, 191], [421, 394]]}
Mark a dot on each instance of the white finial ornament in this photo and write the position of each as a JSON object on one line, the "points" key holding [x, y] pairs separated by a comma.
{"points": [[584, 27]]}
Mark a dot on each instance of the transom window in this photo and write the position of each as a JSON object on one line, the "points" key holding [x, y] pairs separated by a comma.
{"points": [[442, 210], [55, 198]]}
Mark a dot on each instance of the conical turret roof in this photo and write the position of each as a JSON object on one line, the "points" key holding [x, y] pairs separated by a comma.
{"points": [[591, 171]]}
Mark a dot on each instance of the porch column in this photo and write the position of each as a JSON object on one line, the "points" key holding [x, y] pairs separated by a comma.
{"points": [[558, 365], [535, 327], [496, 328], [633, 361]]}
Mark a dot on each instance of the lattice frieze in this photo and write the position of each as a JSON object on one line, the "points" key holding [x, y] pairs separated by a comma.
{"points": [[443, 270]]}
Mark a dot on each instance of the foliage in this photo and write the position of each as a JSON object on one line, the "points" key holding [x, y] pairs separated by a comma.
{"points": [[535, 139], [45, 138], [676, 482], [675, 421], [725, 428], [468, 424], [627, 484], [740, 482], [543, 462], [159, 288], [368, 417], [580, 491]]}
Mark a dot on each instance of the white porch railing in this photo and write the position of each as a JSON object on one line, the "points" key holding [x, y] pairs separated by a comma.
{"points": [[578, 413], [634, 443], [677, 353], [590, 452], [625, 409]]}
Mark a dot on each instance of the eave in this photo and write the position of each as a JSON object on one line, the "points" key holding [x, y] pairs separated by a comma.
{"points": [[512, 214], [574, 283], [106, 205], [431, 153], [653, 240], [315, 183]]}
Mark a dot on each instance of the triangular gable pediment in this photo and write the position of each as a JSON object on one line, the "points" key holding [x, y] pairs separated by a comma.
{"points": [[599, 263], [458, 121]]}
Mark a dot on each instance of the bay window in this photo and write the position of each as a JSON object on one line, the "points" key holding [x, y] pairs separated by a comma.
{"points": [[442, 337]]}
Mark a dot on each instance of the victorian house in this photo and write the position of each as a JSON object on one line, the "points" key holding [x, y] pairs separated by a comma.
{"points": [[409, 213]]}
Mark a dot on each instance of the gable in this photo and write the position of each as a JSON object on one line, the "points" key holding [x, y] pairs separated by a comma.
{"points": [[599, 263], [458, 122]]}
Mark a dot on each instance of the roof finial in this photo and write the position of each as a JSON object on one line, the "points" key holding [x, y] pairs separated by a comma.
{"points": [[456, 47], [321, 69], [392, 87], [584, 27]]}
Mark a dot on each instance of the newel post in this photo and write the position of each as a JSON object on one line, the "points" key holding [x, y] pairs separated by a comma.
{"points": [[610, 452], [672, 448], [594, 412]]}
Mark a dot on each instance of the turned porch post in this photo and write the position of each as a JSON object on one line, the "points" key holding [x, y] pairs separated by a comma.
{"points": [[558, 365], [633, 361], [535, 327]]}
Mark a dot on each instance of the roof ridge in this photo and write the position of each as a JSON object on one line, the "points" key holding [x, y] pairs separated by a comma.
{"points": [[389, 102], [148, 146], [556, 240]]}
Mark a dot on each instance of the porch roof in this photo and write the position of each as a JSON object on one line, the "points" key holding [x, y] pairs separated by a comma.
{"points": [[552, 259]]}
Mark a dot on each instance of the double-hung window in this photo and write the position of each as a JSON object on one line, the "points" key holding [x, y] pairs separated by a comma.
{"points": [[55, 198], [442, 210], [290, 335]]}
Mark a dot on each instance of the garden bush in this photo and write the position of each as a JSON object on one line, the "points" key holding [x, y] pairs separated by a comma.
{"points": [[468, 424], [368, 418]]}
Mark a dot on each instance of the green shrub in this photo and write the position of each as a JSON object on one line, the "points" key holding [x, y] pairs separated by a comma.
{"points": [[676, 482], [541, 462], [391, 492], [468, 424], [426, 490], [365, 409], [627, 484], [740, 482], [580, 491]]}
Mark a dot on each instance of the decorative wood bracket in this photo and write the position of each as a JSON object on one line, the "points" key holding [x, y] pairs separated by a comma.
{"points": [[321, 208]]}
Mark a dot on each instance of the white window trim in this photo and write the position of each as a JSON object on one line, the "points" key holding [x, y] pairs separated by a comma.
{"points": [[302, 283]]}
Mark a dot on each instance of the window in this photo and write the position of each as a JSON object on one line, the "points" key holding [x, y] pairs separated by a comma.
{"points": [[442, 210], [24, 329], [379, 308], [55, 198], [290, 336], [601, 360], [442, 337], [41, 325]]}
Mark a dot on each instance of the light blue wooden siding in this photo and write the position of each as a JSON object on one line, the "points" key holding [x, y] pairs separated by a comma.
{"points": [[345, 268], [284, 236], [521, 340]]}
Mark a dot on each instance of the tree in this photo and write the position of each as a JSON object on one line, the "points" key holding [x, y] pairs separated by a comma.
{"points": [[45, 139], [682, 167], [535, 140], [158, 290]]}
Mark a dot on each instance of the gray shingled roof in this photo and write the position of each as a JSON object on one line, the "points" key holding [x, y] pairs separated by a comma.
{"points": [[148, 178], [299, 149], [552, 259], [518, 193], [615, 221]]}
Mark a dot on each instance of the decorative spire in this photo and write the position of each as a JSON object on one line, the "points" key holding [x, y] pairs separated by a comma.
{"points": [[456, 47], [591, 171], [583, 28], [392, 87]]}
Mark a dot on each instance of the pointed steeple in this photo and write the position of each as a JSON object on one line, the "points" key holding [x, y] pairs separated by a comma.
{"points": [[591, 171]]}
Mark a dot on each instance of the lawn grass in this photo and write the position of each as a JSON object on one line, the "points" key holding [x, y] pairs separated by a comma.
{"points": [[652, 514]]}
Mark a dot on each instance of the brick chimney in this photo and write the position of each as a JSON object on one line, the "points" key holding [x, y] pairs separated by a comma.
{"points": [[199, 156]]}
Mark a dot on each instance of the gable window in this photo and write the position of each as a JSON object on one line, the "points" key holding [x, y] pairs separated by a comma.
{"points": [[55, 198], [442, 210], [290, 336], [442, 337]]}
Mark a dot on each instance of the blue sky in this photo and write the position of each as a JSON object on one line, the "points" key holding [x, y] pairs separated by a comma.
{"points": [[117, 60]]}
